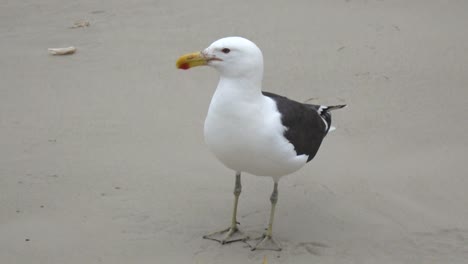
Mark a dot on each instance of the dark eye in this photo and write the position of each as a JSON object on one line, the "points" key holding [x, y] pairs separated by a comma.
{"points": [[226, 50]]}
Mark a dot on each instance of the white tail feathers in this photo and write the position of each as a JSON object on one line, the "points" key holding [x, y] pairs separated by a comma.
{"points": [[334, 107]]}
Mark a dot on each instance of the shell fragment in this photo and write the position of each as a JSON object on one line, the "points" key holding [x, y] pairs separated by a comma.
{"points": [[80, 24], [62, 51]]}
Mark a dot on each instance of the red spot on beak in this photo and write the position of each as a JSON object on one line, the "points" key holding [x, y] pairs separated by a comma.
{"points": [[184, 66]]}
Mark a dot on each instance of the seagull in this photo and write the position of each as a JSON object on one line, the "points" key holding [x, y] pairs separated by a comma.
{"points": [[255, 132]]}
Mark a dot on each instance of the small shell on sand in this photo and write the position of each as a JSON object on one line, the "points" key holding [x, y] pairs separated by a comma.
{"points": [[62, 51], [80, 24]]}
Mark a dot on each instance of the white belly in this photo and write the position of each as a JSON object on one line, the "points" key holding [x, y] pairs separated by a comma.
{"points": [[248, 137]]}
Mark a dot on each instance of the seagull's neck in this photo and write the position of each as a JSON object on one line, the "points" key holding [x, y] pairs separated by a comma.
{"points": [[245, 89]]}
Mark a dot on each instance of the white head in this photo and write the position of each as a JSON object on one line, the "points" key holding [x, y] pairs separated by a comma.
{"points": [[233, 57]]}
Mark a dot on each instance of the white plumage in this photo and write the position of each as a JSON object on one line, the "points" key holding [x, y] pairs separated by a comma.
{"points": [[246, 134]]}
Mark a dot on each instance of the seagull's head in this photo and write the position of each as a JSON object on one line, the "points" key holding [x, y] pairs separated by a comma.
{"points": [[233, 57]]}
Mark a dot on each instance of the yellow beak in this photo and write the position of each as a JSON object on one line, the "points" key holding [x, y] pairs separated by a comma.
{"points": [[190, 60]]}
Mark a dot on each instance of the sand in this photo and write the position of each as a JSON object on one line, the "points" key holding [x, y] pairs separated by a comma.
{"points": [[102, 158]]}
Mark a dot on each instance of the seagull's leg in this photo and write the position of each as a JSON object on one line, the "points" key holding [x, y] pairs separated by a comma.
{"points": [[232, 233], [267, 241]]}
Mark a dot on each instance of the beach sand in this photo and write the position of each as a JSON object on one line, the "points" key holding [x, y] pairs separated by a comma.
{"points": [[102, 158]]}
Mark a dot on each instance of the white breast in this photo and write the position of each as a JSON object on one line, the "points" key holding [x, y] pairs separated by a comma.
{"points": [[245, 133]]}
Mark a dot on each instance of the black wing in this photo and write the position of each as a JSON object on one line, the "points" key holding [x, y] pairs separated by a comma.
{"points": [[305, 126]]}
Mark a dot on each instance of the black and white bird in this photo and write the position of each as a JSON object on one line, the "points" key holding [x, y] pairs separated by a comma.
{"points": [[256, 132]]}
